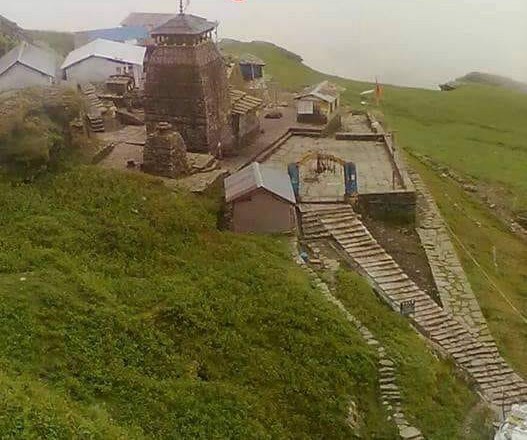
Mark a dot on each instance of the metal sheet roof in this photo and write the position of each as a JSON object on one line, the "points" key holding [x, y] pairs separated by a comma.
{"points": [[257, 176], [30, 56], [185, 24], [324, 91], [112, 50], [122, 34]]}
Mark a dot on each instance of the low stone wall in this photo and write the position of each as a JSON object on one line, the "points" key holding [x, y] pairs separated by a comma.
{"points": [[397, 206], [452, 283]]}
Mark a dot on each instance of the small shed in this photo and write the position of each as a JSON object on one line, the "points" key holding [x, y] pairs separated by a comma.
{"points": [[26, 66], [318, 104], [262, 200], [245, 116], [252, 67], [100, 59]]}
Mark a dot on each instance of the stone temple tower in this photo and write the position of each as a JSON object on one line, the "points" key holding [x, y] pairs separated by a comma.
{"points": [[187, 87]]}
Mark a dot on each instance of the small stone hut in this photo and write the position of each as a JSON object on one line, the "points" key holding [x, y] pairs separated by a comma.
{"points": [[261, 199]]}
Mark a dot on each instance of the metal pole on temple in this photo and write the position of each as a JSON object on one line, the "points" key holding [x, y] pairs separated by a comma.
{"points": [[181, 8]]}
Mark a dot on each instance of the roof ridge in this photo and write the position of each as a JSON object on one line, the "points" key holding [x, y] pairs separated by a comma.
{"points": [[259, 176], [21, 48]]}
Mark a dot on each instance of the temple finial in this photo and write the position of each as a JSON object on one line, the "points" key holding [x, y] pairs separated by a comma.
{"points": [[181, 8]]}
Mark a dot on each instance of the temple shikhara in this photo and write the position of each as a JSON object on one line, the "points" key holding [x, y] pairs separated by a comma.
{"points": [[186, 85]]}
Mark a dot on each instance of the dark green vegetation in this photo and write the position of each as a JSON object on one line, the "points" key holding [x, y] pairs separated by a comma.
{"points": [[10, 35], [478, 131], [61, 42], [35, 128], [124, 313], [6, 44], [433, 398]]}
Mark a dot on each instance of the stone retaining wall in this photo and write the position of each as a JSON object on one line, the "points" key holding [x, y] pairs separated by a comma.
{"points": [[452, 284]]}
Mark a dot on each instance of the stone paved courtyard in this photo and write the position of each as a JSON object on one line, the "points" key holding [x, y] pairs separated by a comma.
{"points": [[374, 167]]}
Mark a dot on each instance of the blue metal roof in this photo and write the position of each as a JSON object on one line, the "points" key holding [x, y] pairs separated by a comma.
{"points": [[120, 34]]}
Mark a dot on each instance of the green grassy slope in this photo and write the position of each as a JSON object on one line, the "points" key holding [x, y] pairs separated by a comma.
{"points": [[478, 131], [124, 313], [61, 42]]}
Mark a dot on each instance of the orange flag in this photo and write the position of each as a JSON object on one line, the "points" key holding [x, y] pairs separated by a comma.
{"points": [[379, 91]]}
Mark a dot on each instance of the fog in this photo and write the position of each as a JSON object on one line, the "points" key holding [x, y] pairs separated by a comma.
{"points": [[406, 42]]}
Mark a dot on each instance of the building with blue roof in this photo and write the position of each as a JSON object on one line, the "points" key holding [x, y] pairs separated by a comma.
{"points": [[128, 34]]}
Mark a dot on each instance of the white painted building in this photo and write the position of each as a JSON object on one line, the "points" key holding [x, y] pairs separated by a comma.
{"points": [[27, 66], [97, 60]]}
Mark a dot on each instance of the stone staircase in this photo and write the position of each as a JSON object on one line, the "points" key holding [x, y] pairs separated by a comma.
{"points": [[95, 108], [494, 379]]}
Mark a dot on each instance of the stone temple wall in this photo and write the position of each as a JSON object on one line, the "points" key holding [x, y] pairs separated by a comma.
{"points": [[187, 86]]}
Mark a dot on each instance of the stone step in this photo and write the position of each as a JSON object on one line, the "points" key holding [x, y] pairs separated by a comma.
{"points": [[389, 287], [346, 231], [355, 236], [356, 242], [392, 278], [365, 250], [341, 219]]}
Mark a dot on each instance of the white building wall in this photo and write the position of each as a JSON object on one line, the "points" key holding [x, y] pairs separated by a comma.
{"points": [[96, 69], [20, 76]]}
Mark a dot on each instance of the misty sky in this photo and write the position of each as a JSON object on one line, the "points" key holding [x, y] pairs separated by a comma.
{"points": [[406, 42]]}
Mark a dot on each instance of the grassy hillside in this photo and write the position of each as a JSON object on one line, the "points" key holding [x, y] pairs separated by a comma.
{"points": [[477, 132], [492, 80], [61, 42], [124, 313]]}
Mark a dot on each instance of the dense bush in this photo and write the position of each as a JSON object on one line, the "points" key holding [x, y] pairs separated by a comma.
{"points": [[34, 128]]}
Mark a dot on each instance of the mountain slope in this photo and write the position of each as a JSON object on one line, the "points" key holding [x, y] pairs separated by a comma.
{"points": [[122, 305], [493, 80]]}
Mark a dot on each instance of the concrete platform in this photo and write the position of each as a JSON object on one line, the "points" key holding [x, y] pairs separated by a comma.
{"points": [[375, 168]]}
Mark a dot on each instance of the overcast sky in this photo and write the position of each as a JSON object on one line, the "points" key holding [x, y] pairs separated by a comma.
{"points": [[407, 42]]}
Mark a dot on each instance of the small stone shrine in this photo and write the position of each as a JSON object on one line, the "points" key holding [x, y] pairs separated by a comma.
{"points": [[165, 153]]}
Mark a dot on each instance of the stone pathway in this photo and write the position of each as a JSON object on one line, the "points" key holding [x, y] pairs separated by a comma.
{"points": [[390, 393], [452, 284], [481, 361]]}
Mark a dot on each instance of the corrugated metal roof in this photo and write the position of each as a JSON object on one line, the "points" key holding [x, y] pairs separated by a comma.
{"points": [[242, 103], [112, 50], [121, 34], [148, 20], [325, 91], [185, 24], [257, 176], [30, 56]]}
